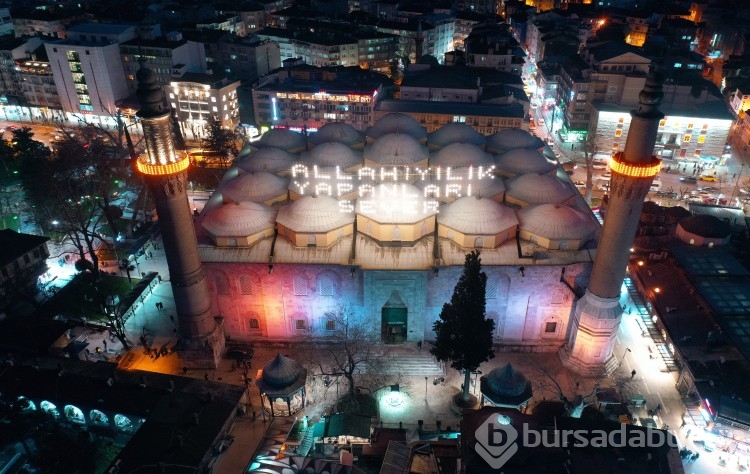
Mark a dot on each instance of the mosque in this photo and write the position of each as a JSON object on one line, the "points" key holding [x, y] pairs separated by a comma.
{"points": [[380, 222]]}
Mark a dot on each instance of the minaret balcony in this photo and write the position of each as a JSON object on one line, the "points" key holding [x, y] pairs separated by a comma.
{"points": [[645, 169]]}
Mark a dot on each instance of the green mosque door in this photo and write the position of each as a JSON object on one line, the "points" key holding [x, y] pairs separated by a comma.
{"points": [[394, 320]]}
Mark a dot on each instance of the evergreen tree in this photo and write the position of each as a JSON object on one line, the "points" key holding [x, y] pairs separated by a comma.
{"points": [[463, 333]]}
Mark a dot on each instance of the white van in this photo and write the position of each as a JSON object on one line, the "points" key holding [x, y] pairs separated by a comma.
{"points": [[656, 185]]}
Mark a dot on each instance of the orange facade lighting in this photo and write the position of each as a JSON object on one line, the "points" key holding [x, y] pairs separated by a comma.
{"points": [[635, 170], [147, 168]]}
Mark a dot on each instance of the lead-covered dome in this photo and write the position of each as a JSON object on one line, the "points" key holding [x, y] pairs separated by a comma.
{"points": [[461, 155], [397, 123], [283, 138], [256, 187], [396, 149], [536, 188], [512, 138], [239, 219], [312, 214], [523, 160], [337, 132], [455, 132], [473, 215], [556, 223], [507, 381], [332, 154], [395, 203], [281, 372], [273, 160]]}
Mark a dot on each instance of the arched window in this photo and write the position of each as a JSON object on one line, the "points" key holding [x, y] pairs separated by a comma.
{"points": [[246, 285], [222, 283], [253, 324], [491, 290], [325, 286], [49, 407], [123, 423], [98, 417], [478, 243], [74, 414], [299, 285], [311, 239]]}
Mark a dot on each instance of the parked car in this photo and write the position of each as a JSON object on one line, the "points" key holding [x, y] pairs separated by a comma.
{"points": [[580, 184], [667, 194], [707, 177], [689, 179]]}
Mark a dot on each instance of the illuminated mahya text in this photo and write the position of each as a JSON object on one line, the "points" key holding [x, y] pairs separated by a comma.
{"points": [[363, 185]]}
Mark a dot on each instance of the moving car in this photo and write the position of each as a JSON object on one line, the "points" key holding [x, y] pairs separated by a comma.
{"points": [[707, 177], [689, 179]]}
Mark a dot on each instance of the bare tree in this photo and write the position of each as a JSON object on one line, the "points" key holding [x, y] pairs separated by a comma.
{"points": [[575, 398]]}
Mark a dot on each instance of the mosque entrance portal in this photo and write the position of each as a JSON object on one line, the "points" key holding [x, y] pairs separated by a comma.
{"points": [[394, 319]]}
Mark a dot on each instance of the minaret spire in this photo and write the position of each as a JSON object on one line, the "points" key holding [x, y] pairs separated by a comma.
{"points": [[165, 171], [598, 313]]}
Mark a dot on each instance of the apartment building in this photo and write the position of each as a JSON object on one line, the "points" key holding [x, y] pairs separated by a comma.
{"points": [[493, 46], [13, 50], [198, 98], [168, 56], [248, 58], [88, 71], [38, 82], [43, 22], [304, 98]]}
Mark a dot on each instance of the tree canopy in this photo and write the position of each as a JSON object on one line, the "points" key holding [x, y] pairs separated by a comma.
{"points": [[463, 333]]}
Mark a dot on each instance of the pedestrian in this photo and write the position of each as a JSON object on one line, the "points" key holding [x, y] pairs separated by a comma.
{"points": [[205, 375], [157, 306], [632, 374], [150, 255], [734, 176], [105, 344], [171, 318], [419, 345], [158, 277]]}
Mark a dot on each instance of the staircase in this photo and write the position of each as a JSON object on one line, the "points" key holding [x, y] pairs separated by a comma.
{"points": [[410, 362]]}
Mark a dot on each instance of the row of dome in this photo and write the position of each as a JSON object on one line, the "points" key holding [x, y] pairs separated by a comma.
{"points": [[246, 222], [522, 189], [398, 124], [396, 150]]}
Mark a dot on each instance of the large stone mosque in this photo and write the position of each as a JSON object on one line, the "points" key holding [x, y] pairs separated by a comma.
{"points": [[380, 222]]}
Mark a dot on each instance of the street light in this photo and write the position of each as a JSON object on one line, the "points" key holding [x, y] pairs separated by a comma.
{"points": [[425, 389], [622, 359]]}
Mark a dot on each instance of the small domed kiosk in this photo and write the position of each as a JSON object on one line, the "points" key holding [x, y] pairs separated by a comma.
{"points": [[505, 387], [282, 380]]}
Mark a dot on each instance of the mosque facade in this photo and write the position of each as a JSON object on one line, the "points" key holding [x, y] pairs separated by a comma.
{"points": [[380, 222]]}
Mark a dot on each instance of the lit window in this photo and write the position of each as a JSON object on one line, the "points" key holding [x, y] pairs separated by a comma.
{"points": [[687, 138], [299, 285], [621, 120], [325, 286], [246, 285], [662, 123], [213, 99], [677, 65], [702, 139], [690, 125], [618, 133]]}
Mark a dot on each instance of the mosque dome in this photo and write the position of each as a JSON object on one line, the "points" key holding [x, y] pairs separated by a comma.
{"points": [[283, 138], [455, 132], [534, 188], [337, 132], [397, 123], [473, 215], [332, 154], [507, 381], [512, 138], [313, 214], [556, 222], [461, 155], [239, 219], [273, 160], [524, 160], [256, 187], [281, 372], [395, 203], [396, 149]]}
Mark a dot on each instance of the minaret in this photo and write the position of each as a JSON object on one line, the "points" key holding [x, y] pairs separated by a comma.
{"points": [[165, 171], [597, 314]]}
